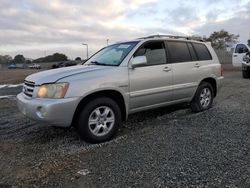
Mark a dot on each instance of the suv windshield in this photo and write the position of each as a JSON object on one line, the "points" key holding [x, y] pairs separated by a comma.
{"points": [[112, 55]]}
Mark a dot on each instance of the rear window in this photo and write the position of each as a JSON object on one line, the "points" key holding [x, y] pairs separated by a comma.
{"points": [[202, 52], [178, 51]]}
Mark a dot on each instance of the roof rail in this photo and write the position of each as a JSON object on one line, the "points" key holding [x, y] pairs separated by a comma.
{"points": [[165, 36], [170, 36]]}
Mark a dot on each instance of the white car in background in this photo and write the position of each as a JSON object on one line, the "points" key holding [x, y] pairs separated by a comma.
{"points": [[35, 66], [241, 55]]}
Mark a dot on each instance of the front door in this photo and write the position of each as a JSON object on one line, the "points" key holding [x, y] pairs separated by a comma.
{"points": [[151, 85]]}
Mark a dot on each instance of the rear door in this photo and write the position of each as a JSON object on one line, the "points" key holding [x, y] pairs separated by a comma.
{"points": [[189, 62], [151, 85], [239, 51]]}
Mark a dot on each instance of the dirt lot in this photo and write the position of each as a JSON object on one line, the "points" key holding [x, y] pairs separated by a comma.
{"points": [[15, 76], [169, 147]]}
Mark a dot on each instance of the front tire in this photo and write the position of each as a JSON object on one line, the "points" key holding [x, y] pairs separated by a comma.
{"points": [[99, 120], [203, 98], [245, 74]]}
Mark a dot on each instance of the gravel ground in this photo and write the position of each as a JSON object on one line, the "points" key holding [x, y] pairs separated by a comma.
{"points": [[168, 147]]}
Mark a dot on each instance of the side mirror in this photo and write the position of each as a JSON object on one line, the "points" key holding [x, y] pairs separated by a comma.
{"points": [[139, 61]]}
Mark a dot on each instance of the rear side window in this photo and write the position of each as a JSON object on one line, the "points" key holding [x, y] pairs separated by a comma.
{"points": [[241, 48], [154, 52], [202, 52], [192, 52], [178, 51]]}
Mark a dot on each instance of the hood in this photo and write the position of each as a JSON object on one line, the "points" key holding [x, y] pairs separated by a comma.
{"points": [[54, 75]]}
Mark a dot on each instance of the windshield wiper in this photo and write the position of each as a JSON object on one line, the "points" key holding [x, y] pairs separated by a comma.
{"points": [[98, 63]]}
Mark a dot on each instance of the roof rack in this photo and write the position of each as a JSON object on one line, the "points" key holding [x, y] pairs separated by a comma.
{"points": [[171, 36], [163, 36]]}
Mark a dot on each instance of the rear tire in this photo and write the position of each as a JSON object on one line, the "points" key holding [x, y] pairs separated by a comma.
{"points": [[203, 98], [99, 120]]}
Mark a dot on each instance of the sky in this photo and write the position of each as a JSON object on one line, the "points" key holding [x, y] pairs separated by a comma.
{"points": [[36, 28]]}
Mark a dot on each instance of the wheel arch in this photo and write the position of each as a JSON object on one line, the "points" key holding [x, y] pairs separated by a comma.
{"points": [[213, 83], [113, 94]]}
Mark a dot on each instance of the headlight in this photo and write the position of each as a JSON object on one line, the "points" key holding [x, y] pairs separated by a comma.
{"points": [[52, 91]]}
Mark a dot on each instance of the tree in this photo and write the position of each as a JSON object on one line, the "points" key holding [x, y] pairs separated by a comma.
{"points": [[5, 58], [78, 59], [59, 57], [19, 59], [28, 61], [52, 58], [221, 39]]}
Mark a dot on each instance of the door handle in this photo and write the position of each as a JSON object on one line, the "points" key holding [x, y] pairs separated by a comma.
{"points": [[235, 55], [167, 69], [196, 65]]}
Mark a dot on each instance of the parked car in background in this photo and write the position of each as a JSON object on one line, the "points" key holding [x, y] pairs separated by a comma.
{"points": [[121, 79], [35, 66], [246, 66], [12, 66], [240, 58], [239, 51], [64, 64]]}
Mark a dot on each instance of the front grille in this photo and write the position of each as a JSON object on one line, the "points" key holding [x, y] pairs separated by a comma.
{"points": [[28, 88]]}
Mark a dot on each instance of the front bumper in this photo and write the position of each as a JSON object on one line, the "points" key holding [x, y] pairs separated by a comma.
{"points": [[58, 112], [246, 66]]}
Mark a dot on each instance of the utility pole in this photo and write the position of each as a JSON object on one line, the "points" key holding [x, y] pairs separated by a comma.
{"points": [[87, 49], [107, 42]]}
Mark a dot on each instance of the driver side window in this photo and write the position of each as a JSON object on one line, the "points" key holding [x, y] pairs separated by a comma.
{"points": [[154, 52]]}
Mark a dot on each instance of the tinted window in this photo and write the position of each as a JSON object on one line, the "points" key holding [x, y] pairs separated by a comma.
{"points": [[192, 52], [154, 52], [178, 51], [202, 52], [241, 48]]}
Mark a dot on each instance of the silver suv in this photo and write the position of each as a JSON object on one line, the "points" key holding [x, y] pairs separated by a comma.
{"points": [[122, 79]]}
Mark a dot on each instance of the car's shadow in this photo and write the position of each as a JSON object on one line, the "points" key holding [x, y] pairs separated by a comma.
{"points": [[151, 117], [44, 134]]}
